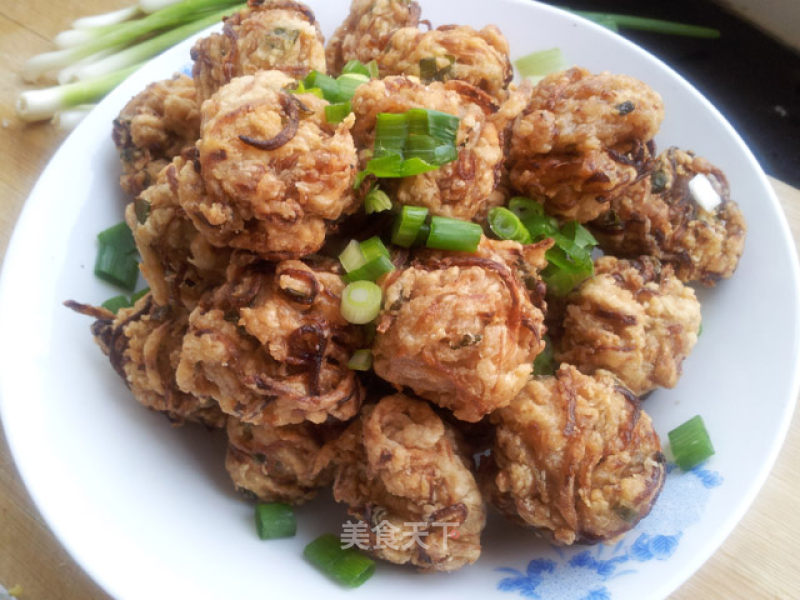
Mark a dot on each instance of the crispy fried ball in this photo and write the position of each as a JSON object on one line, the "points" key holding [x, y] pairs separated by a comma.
{"points": [[633, 318], [178, 263], [156, 125], [460, 329], [367, 29], [278, 34], [273, 173], [582, 139], [450, 52], [575, 458], [276, 464], [403, 471], [659, 217], [271, 346], [143, 343], [461, 189]]}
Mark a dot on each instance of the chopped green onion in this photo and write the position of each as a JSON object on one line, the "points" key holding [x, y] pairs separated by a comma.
{"points": [[545, 362], [328, 85], [538, 64], [361, 360], [115, 303], [377, 201], [372, 248], [119, 268], [507, 226], [356, 66], [351, 257], [391, 131], [565, 271], [394, 166], [346, 566], [336, 113], [349, 82], [407, 225], [139, 295], [371, 270], [648, 24], [119, 236], [275, 520], [690, 443], [453, 234], [578, 234], [361, 302], [441, 126], [422, 236], [429, 69], [525, 208]]}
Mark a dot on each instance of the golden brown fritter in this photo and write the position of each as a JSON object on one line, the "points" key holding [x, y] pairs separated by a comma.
{"points": [[271, 346], [402, 471], [460, 329], [461, 189], [633, 318], [659, 217], [275, 34], [450, 52], [178, 263], [582, 139], [156, 125], [273, 173], [143, 343], [276, 464], [575, 458], [367, 29]]}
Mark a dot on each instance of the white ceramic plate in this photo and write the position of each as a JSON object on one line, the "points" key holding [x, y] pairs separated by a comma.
{"points": [[149, 512]]}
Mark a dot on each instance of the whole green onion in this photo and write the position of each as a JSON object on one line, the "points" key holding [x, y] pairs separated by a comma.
{"points": [[139, 295], [361, 360], [361, 302], [407, 225], [507, 226], [346, 566], [690, 443], [453, 234], [275, 520], [545, 363]]}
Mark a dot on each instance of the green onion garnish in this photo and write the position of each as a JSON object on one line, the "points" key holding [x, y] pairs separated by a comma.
{"points": [[361, 360], [536, 65], [371, 270], [119, 236], [507, 226], [453, 234], [407, 225], [116, 260], [349, 82], [351, 257], [139, 295], [336, 113], [372, 248], [377, 201], [690, 443], [349, 567], [115, 303], [275, 520], [361, 302], [545, 362], [369, 70], [336, 91]]}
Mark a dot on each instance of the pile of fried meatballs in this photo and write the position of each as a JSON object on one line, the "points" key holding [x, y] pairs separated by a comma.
{"points": [[242, 195]]}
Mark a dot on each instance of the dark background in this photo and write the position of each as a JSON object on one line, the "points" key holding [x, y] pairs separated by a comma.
{"points": [[753, 79]]}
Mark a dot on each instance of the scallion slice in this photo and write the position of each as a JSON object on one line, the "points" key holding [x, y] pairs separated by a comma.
{"points": [[347, 566], [507, 226], [351, 257], [361, 302], [361, 360], [373, 247], [115, 303], [336, 113], [377, 201], [348, 84], [545, 363], [407, 225], [690, 443], [356, 66], [525, 208], [119, 236], [116, 260], [275, 520], [536, 65], [371, 270], [453, 234]]}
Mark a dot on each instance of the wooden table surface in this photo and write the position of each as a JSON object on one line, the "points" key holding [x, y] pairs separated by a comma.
{"points": [[758, 560]]}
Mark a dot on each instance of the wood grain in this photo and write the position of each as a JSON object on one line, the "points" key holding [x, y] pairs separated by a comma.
{"points": [[757, 561]]}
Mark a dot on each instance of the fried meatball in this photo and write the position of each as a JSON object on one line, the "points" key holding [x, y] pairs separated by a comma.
{"points": [[273, 173], [461, 189], [156, 125], [276, 464], [460, 329], [178, 263], [658, 216], [450, 52], [143, 344], [402, 470], [276, 35], [582, 139], [575, 458], [633, 318], [271, 346], [367, 29]]}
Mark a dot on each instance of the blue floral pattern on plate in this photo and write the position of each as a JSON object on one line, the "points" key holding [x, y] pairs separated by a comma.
{"points": [[581, 574]]}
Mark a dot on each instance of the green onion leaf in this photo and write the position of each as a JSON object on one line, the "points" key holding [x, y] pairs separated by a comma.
{"points": [[346, 566], [361, 302], [361, 360], [119, 236], [545, 362], [394, 166], [115, 303], [690, 443], [536, 65], [351, 257], [525, 208], [372, 248], [453, 234], [648, 24], [407, 225], [275, 520], [507, 226], [371, 270], [356, 66], [348, 84], [336, 113], [377, 201]]}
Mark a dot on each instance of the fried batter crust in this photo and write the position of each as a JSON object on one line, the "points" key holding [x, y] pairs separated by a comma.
{"points": [[399, 465], [273, 173], [575, 458], [477, 57], [461, 189], [271, 346], [461, 329], [659, 217], [633, 318], [280, 34], [367, 29], [582, 139], [156, 125]]}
